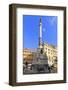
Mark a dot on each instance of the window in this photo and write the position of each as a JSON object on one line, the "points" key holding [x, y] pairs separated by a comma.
{"points": [[48, 49], [48, 52]]}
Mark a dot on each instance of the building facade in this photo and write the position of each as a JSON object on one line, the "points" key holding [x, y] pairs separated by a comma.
{"points": [[27, 55], [51, 52]]}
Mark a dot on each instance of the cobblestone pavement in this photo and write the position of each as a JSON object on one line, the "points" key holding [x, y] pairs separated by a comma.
{"points": [[29, 71]]}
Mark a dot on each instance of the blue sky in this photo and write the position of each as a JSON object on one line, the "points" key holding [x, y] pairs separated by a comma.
{"points": [[31, 30]]}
